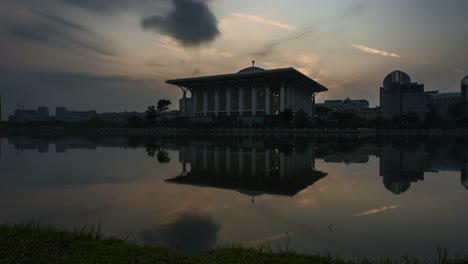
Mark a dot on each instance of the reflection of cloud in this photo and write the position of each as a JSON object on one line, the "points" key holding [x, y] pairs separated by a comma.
{"points": [[190, 234], [265, 21], [271, 238], [375, 51], [377, 210]]}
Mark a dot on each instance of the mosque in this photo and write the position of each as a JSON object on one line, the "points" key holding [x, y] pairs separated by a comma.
{"points": [[250, 94]]}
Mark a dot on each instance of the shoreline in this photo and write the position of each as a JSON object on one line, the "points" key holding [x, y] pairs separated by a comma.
{"points": [[36, 243]]}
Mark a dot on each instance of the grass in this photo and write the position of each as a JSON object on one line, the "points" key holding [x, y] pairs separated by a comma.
{"points": [[35, 243]]}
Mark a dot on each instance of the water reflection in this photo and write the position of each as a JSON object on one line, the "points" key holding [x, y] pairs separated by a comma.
{"points": [[195, 193], [256, 165]]}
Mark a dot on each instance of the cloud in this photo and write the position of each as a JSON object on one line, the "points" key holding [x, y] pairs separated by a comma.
{"points": [[58, 32], [190, 234], [377, 210], [266, 21], [191, 22], [375, 51]]}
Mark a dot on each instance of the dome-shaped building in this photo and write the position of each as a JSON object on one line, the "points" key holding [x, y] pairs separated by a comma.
{"points": [[396, 77], [400, 96]]}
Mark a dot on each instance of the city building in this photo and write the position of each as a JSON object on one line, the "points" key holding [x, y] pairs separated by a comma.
{"points": [[62, 114], [444, 105], [400, 96], [25, 115], [250, 94], [464, 95], [42, 115], [346, 105]]}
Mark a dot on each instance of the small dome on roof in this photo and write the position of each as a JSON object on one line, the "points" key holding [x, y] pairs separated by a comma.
{"points": [[251, 69], [396, 77], [347, 99]]}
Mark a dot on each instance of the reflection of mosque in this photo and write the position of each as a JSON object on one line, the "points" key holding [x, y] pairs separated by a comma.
{"points": [[278, 166], [250, 168]]}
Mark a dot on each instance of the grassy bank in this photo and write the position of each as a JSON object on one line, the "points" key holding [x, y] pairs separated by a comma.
{"points": [[40, 244]]}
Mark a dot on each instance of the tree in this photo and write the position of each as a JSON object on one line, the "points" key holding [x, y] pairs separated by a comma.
{"points": [[151, 114], [163, 106], [163, 155]]}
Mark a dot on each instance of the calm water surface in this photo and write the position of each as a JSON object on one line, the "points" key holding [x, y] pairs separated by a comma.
{"points": [[358, 197]]}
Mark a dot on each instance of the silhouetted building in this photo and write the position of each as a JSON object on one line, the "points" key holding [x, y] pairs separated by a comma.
{"points": [[444, 105], [346, 105], [62, 114], [23, 115], [400, 96], [250, 94], [464, 95]]}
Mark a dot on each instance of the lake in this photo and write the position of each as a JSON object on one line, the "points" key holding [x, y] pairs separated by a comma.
{"points": [[359, 196]]}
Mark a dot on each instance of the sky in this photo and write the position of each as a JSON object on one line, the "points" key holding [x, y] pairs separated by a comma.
{"points": [[114, 55]]}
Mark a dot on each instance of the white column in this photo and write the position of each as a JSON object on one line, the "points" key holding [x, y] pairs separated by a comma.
{"points": [[253, 168], [184, 104], [205, 102], [216, 101], [267, 100], [241, 161], [254, 99], [241, 100], [228, 101], [267, 162], [282, 97], [194, 103], [205, 159], [216, 160], [228, 160]]}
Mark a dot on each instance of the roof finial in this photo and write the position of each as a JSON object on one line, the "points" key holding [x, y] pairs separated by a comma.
{"points": [[253, 65]]}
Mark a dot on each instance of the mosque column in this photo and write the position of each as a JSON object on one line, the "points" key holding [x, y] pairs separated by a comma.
{"points": [[205, 159], [228, 160], [241, 161], [254, 99], [228, 101], [205, 102], [194, 103], [216, 101], [267, 162], [267, 99], [253, 167], [281, 165], [241, 100], [216, 159], [282, 97]]}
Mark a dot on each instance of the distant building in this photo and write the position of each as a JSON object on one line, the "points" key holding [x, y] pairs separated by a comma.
{"points": [[62, 114], [464, 95], [250, 94], [346, 105], [444, 105], [119, 118], [24, 115], [370, 113], [400, 96]]}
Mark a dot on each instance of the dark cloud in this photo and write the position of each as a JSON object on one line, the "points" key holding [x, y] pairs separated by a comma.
{"points": [[58, 32], [98, 5], [191, 22], [64, 22], [190, 234]]}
